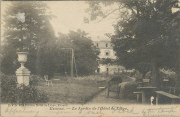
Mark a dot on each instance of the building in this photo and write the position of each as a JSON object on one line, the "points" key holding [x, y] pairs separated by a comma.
{"points": [[106, 51]]}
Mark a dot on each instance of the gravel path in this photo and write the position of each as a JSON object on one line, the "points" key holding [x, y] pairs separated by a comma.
{"points": [[101, 98]]}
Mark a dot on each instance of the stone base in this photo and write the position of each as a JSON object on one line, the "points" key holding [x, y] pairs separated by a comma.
{"points": [[23, 76]]}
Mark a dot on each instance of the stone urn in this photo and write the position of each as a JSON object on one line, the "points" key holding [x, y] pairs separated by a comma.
{"points": [[22, 73]]}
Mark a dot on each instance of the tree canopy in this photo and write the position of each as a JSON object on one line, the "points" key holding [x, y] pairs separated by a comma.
{"points": [[147, 33], [35, 35], [85, 52]]}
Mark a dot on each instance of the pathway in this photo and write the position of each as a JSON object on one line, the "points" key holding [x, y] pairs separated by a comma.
{"points": [[101, 98]]}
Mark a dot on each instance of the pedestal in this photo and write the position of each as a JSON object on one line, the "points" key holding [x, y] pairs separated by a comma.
{"points": [[23, 76]]}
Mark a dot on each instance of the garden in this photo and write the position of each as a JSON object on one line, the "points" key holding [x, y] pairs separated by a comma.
{"points": [[74, 90], [145, 40], [64, 90]]}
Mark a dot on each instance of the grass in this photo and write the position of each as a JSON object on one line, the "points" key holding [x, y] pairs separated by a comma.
{"points": [[73, 90], [68, 90], [77, 90]]}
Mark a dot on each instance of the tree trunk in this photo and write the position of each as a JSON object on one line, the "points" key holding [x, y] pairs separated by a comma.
{"points": [[155, 72], [178, 67]]}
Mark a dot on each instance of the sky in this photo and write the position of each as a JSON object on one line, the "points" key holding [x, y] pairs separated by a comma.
{"points": [[70, 16]]}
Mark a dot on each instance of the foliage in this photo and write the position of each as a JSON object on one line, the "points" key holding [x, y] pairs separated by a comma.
{"points": [[147, 38], [117, 78], [29, 94], [148, 31], [143, 68], [172, 77], [35, 35], [8, 88], [129, 88], [10, 93], [85, 53], [165, 74], [136, 74]]}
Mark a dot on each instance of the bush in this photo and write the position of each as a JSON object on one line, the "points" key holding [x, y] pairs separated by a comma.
{"points": [[10, 93], [117, 78], [8, 88], [173, 78], [28, 94], [129, 88]]}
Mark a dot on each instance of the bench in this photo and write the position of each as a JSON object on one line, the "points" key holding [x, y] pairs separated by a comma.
{"points": [[138, 95], [173, 97]]}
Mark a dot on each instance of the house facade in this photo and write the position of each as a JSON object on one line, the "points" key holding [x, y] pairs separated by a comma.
{"points": [[106, 51]]}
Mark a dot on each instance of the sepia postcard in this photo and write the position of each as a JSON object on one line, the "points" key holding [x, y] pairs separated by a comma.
{"points": [[117, 58]]}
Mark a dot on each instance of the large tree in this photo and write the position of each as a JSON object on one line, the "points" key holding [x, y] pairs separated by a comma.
{"points": [[147, 32], [85, 52], [35, 35]]}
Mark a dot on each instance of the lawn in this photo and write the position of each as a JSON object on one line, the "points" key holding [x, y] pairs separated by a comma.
{"points": [[73, 90], [65, 90]]}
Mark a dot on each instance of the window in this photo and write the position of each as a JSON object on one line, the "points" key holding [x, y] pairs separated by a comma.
{"points": [[107, 53], [107, 69], [97, 44], [106, 45]]}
